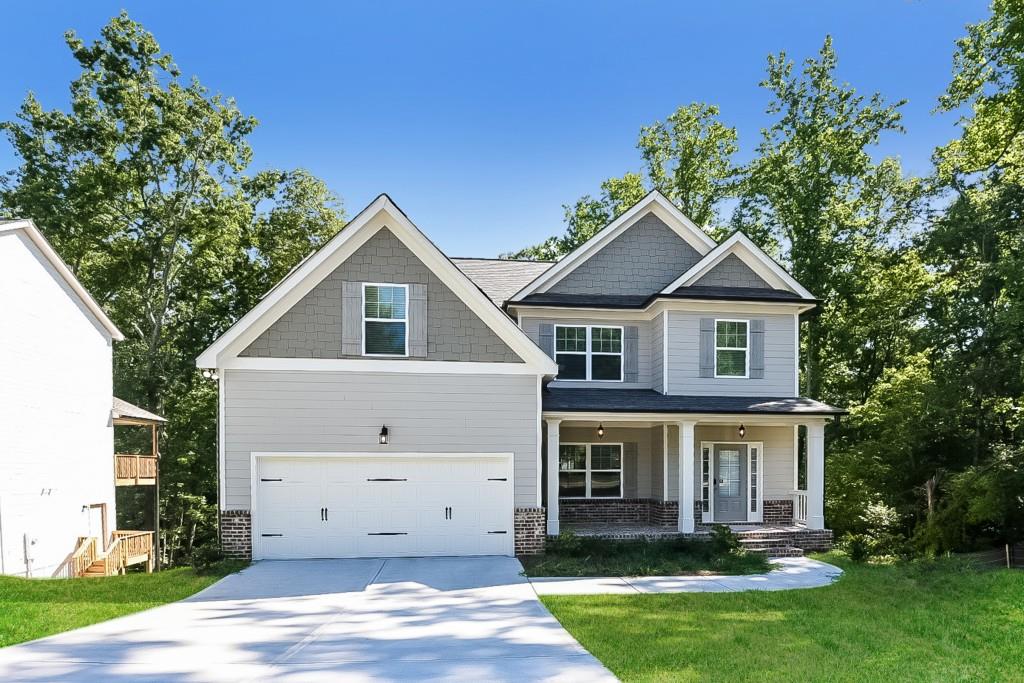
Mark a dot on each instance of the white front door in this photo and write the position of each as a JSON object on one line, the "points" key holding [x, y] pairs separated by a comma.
{"points": [[382, 506]]}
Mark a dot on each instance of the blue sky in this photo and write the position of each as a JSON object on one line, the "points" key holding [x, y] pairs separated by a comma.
{"points": [[482, 118]]}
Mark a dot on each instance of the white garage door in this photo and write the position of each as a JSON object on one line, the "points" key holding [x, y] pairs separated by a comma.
{"points": [[383, 507]]}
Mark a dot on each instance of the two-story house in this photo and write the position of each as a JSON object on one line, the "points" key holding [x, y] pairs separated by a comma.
{"points": [[386, 400]]}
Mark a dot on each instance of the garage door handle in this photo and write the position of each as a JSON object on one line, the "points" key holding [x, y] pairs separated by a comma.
{"points": [[497, 479], [270, 480], [386, 479], [326, 515], [388, 533], [268, 535], [497, 532]]}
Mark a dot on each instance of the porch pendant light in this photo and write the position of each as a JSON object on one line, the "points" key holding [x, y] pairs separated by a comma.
{"points": [[743, 431], [384, 435], [600, 431]]}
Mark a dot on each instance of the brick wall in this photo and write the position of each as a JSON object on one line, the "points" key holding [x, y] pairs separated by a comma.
{"points": [[607, 511], [236, 534], [531, 531], [778, 511], [665, 513], [814, 539]]}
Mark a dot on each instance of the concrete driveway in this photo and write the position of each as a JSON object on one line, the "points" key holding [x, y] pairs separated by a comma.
{"points": [[327, 620]]}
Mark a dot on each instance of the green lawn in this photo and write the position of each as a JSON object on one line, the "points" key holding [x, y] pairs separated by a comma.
{"points": [[581, 556], [33, 608], [941, 621]]}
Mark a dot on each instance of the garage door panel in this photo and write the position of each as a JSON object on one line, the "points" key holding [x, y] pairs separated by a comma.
{"points": [[387, 507]]}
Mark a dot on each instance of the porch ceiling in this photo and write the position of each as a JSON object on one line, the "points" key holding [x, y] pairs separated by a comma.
{"points": [[648, 401]]}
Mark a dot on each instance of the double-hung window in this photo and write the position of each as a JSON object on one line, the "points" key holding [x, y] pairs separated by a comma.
{"points": [[385, 321], [731, 348], [589, 352], [590, 470]]}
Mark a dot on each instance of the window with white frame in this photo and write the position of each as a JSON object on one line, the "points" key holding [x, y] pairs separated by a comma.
{"points": [[385, 322], [589, 352], [731, 344], [590, 470]]}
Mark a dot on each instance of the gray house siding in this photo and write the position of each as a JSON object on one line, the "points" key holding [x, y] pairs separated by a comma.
{"points": [[731, 272], [779, 358], [343, 412], [644, 342], [657, 463], [657, 355], [313, 327], [644, 259]]}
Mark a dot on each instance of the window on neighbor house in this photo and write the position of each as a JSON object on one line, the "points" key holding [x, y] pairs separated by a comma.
{"points": [[385, 322], [731, 342], [589, 352], [590, 470]]}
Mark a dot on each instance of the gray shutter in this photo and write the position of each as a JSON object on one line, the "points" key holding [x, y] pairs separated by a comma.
{"points": [[630, 352], [757, 349], [351, 318], [546, 339], [418, 321], [707, 347], [629, 467]]}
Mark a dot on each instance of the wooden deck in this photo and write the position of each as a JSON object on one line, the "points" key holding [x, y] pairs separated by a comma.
{"points": [[127, 548], [135, 470]]}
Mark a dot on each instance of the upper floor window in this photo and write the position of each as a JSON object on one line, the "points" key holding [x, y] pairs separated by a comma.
{"points": [[590, 470], [385, 321], [589, 352], [731, 344]]}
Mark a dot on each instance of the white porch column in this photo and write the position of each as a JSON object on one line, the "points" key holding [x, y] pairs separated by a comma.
{"points": [[816, 475], [553, 439], [686, 522]]}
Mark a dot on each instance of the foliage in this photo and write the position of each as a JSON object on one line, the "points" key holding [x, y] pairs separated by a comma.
{"points": [[570, 555], [724, 539], [34, 608], [141, 187], [922, 621]]}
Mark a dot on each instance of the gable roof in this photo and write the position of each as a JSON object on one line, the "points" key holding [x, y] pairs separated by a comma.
{"points": [[654, 202], [382, 212], [750, 254], [501, 278], [123, 410], [32, 232]]}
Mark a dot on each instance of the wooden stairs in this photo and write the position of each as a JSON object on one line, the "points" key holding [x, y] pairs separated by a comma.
{"points": [[126, 548]]}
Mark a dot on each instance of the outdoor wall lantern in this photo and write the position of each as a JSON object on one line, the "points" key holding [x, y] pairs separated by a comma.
{"points": [[384, 435], [743, 431], [600, 431]]}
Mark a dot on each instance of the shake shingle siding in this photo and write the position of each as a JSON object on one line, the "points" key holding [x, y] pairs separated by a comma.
{"points": [[644, 259], [342, 412], [731, 272]]}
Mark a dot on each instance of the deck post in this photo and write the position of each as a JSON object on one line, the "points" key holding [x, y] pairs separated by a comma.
{"points": [[687, 524], [553, 440], [816, 475]]}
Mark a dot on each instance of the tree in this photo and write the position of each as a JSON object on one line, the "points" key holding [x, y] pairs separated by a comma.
{"points": [[828, 204], [141, 187]]}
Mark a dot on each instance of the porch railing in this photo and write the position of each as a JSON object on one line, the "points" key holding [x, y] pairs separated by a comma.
{"points": [[130, 469], [128, 548], [84, 554], [800, 507]]}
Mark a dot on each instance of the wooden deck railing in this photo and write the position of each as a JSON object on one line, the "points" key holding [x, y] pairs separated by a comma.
{"points": [[128, 548], [85, 554], [800, 507], [133, 469]]}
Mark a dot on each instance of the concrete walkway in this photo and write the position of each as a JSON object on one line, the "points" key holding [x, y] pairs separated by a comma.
{"points": [[452, 619], [792, 572]]}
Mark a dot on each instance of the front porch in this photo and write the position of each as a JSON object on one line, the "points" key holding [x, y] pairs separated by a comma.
{"points": [[636, 475]]}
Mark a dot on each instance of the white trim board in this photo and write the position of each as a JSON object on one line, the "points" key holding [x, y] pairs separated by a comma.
{"points": [[752, 255], [379, 365], [54, 259], [655, 203], [381, 213]]}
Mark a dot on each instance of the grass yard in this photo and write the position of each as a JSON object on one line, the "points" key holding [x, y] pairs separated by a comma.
{"points": [[33, 608], [937, 621], [581, 556]]}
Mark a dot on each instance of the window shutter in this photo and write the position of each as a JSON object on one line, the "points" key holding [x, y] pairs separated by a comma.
{"points": [[707, 347], [546, 339], [351, 318], [630, 352], [757, 349], [417, 321]]}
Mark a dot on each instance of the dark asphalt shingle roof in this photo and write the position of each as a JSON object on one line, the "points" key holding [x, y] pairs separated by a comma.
{"points": [[500, 278], [642, 300], [650, 401]]}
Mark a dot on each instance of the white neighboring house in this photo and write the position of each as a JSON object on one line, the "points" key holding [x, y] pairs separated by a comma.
{"points": [[56, 427]]}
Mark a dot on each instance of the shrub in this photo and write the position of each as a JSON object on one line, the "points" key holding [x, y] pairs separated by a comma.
{"points": [[206, 556], [724, 540], [857, 546], [566, 543]]}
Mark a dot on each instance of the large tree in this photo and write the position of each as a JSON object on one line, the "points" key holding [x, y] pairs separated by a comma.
{"points": [[141, 186], [833, 209]]}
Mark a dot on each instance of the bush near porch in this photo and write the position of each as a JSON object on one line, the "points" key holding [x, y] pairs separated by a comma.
{"points": [[937, 620], [33, 608], [570, 555]]}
